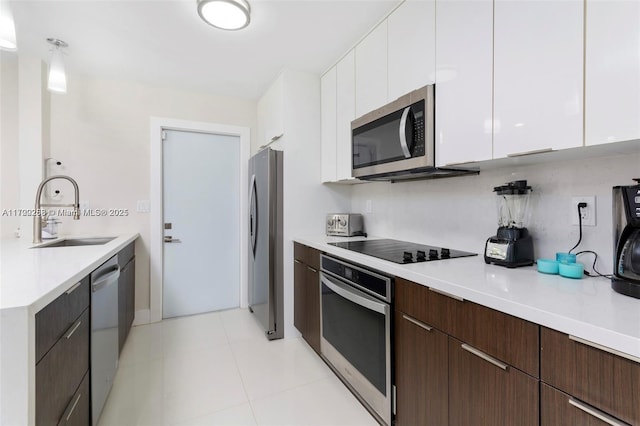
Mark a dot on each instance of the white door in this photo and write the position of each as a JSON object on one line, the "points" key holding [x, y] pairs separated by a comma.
{"points": [[201, 205]]}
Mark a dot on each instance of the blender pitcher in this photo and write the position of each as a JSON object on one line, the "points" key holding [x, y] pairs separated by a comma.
{"points": [[512, 245]]}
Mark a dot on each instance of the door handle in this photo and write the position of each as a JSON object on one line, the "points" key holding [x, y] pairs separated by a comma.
{"points": [[170, 239], [403, 134]]}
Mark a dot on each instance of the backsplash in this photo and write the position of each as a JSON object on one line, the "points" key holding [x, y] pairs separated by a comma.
{"points": [[461, 212]]}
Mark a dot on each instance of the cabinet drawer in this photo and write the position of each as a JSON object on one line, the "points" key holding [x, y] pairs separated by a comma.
{"points": [[483, 392], [606, 381], [307, 255], [425, 305], [510, 339], [126, 254], [78, 411], [558, 408], [61, 370], [55, 318]]}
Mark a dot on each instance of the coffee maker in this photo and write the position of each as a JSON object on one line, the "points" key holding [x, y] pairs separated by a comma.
{"points": [[626, 240], [512, 246]]}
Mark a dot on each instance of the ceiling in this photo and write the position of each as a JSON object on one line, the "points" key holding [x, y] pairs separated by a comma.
{"points": [[165, 43]]}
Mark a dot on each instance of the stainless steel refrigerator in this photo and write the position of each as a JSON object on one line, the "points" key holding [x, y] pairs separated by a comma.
{"points": [[266, 280]]}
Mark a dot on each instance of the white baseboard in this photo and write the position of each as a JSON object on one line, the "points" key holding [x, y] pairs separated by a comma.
{"points": [[142, 317]]}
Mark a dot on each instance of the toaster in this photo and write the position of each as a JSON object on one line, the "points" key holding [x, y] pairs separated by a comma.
{"points": [[345, 224]]}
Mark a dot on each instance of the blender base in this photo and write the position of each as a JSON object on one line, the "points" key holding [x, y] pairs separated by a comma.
{"points": [[509, 253]]}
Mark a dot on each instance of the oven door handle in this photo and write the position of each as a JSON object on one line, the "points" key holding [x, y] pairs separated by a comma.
{"points": [[354, 295]]}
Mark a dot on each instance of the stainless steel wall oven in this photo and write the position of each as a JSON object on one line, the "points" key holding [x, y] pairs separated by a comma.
{"points": [[355, 307]]}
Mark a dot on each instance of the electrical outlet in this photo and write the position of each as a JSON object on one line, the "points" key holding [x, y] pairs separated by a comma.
{"points": [[588, 213], [368, 207]]}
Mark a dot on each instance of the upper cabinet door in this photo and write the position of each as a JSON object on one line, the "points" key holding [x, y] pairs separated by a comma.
{"points": [[412, 46], [612, 71], [271, 112], [464, 81], [328, 126], [538, 75], [371, 71], [346, 113]]}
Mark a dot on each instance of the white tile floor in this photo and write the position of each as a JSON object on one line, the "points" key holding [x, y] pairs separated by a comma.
{"points": [[219, 369]]}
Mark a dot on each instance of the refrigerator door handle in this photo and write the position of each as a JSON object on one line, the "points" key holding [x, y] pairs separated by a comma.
{"points": [[253, 215]]}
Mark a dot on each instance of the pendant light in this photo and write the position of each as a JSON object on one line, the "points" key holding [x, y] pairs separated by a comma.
{"points": [[7, 27], [225, 14], [57, 81]]}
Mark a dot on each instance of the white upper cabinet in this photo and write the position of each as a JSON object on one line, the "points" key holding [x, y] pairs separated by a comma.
{"points": [[538, 75], [328, 126], [464, 86], [612, 71], [345, 113], [271, 112], [412, 46], [371, 71]]}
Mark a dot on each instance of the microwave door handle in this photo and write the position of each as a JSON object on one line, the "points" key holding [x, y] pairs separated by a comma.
{"points": [[403, 133]]}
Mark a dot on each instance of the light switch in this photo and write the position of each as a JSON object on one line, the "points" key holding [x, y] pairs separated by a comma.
{"points": [[142, 206]]}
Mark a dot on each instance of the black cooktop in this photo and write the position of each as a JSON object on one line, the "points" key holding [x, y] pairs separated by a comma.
{"points": [[401, 251]]}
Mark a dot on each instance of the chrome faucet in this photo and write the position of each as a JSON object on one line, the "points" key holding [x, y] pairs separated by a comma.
{"points": [[38, 219]]}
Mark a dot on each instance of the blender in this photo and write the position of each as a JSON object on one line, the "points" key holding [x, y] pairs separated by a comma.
{"points": [[512, 246]]}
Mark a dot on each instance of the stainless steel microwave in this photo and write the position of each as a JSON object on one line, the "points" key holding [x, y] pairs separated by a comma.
{"points": [[396, 142]]}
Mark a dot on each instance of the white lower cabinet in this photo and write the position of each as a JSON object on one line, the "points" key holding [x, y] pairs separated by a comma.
{"points": [[612, 71], [538, 76], [464, 81]]}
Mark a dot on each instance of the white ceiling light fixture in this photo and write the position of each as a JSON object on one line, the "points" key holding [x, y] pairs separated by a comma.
{"points": [[57, 81], [225, 14], [7, 27]]}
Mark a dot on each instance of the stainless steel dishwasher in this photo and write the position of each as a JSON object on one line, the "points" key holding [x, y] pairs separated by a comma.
{"points": [[104, 333]]}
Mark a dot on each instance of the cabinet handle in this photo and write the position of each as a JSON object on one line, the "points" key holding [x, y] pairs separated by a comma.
{"points": [[484, 356], [596, 413], [73, 407], [297, 261], [418, 323], [459, 163], [315, 271], [535, 151], [604, 348], [73, 330], [272, 140], [394, 398], [76, 285], [444, 293]]}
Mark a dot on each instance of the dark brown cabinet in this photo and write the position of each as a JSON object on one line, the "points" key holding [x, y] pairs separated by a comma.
{"points": [[126, 292], [55, 319], [597, 382], [486, 391], [558, 408], [463, 371], [306, 288], [421, 368], [60, 372]]}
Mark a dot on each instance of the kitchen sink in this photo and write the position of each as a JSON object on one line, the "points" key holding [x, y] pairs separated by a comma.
{"points": [[75, 242]]}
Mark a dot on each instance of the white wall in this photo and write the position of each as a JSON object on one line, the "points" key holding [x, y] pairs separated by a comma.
{"points": [[306, 200], [460, 212], [100, 131], [9, 190]]}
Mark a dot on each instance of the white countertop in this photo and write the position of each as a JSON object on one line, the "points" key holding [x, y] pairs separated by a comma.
{"points": [[33, 277], [587, 308]]}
